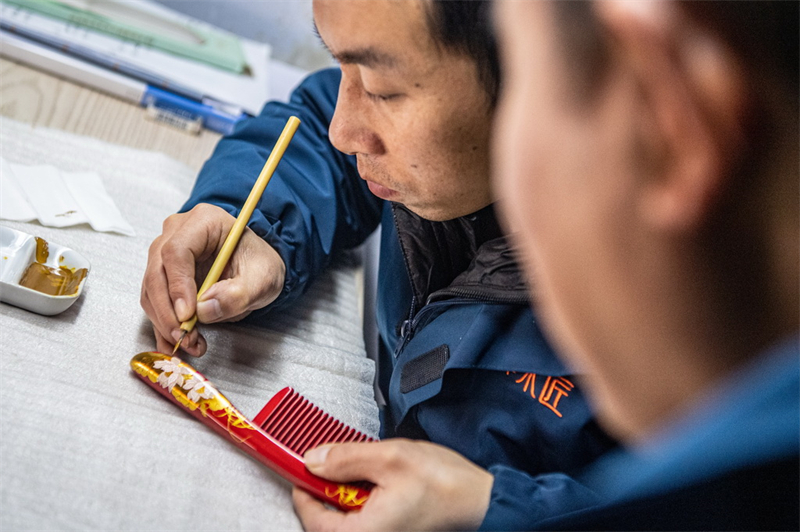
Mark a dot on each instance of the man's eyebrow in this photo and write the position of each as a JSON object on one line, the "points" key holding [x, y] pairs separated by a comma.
{"points": [[369, 56]]}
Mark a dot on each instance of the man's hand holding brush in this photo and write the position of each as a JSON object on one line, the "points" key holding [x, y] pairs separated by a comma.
{"points": [[207, 243], [179, 260]]}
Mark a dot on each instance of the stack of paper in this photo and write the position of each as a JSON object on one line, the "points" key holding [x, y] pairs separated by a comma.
{"points": [[134, 21], [205, 89]]}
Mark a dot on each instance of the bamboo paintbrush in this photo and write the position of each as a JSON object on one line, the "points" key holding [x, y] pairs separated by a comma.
{"points": [[241, 221]]}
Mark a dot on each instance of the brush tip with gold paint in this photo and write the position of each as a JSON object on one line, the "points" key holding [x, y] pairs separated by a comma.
{"points": [[178, 343]]}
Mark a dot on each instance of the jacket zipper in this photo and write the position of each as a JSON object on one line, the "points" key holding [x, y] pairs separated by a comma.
{"points": [[409, 326], [477, 295]]}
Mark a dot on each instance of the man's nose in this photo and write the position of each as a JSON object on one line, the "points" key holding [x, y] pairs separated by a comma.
{"points": [[350, 130]]}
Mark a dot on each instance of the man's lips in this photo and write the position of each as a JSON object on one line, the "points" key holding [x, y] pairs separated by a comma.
{"points": [[365, 170], [380, 190]]}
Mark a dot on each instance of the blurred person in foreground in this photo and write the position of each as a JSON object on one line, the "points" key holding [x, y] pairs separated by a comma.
{"points": [[647, 155]]}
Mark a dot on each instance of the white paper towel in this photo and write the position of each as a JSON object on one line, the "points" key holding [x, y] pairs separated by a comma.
{"points": [[57, 198]]}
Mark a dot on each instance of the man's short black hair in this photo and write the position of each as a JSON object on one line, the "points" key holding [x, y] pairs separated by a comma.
{"points": [[466, 26]]}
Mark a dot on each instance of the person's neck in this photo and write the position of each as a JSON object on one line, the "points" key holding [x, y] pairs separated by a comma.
{"points": [[688, 333]]}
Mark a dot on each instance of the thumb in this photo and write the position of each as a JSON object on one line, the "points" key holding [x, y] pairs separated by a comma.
{"points": [[253, 278], [225, 300], [350, 462]]}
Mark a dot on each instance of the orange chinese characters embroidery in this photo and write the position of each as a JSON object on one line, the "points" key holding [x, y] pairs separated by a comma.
{"points": [[528, 379], [552, 391], [558, 386]]}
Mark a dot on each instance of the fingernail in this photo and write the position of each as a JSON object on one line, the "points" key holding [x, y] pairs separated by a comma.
{"points": [[176, 334], [210, 309], [193, 351], [181, 310], [316, 457]]}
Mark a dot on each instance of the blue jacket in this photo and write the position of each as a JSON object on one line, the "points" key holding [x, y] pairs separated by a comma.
{"points": [[463, 362], [730, 464]]}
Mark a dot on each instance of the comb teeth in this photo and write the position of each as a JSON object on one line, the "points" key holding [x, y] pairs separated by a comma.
{"points": [[299, 425]]}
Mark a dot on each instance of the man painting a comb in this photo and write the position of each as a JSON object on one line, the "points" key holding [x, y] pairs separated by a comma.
{"points": [[399, 135]]}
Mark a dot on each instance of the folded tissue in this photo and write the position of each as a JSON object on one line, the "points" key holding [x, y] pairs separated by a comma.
{"points": [[58, 199]]}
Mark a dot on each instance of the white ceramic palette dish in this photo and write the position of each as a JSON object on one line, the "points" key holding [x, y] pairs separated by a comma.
{"points": [[17, 252]]}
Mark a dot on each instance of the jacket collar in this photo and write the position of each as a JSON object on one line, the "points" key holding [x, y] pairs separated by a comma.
{"points": [[465, 257]]}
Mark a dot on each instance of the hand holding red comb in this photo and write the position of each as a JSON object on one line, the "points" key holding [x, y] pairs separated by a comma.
{"points": [[418, 486], [284, 429]]}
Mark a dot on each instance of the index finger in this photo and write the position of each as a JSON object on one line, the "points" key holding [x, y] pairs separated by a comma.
{"points": [[155, 298], [315, 515], [194, 241]]}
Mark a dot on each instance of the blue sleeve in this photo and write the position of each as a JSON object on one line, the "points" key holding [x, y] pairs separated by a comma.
{"points": [[315, 205], [520, 501]]}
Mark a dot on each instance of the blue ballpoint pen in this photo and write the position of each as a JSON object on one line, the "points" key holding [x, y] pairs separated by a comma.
{"points": [[212, 118]]}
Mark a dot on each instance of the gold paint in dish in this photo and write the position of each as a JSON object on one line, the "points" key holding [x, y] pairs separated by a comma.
{"points": [[61, 281]]}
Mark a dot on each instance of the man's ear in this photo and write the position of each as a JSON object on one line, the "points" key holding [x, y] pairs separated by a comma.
{"points": [[694, 93]]}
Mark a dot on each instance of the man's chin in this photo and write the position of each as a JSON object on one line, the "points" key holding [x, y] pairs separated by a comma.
{"points": [[433, 214]]}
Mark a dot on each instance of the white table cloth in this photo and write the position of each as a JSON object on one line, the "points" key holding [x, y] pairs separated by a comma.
{"points": [[84, 444]]}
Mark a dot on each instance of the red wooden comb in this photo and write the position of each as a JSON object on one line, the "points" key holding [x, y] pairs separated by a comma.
{"points": [[277, 437], [299, 425]]}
